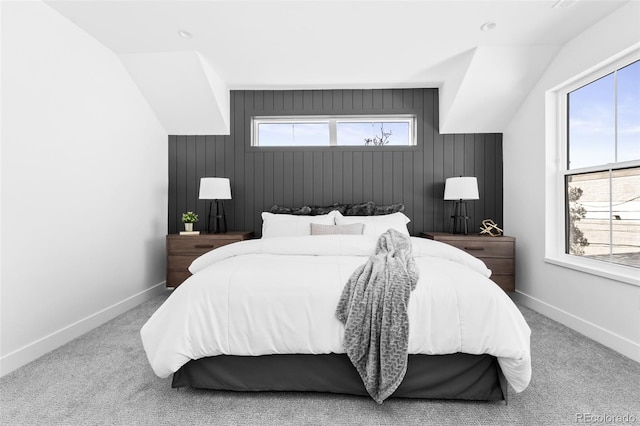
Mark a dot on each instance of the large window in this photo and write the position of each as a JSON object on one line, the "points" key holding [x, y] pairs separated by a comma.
{"points": [[296, 131], [602, 171]]}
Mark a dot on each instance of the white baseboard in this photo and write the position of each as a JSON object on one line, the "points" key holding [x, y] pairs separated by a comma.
{"points": [[618, 343], [32, 351]]}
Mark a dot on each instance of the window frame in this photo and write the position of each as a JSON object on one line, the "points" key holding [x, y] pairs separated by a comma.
{"points": [[557, 170], [332, 121]]}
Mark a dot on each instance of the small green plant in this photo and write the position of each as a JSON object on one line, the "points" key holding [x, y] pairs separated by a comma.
{"points": [[189, 217]]}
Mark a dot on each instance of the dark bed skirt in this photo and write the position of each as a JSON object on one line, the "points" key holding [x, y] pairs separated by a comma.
{"points": [[454, 376]]}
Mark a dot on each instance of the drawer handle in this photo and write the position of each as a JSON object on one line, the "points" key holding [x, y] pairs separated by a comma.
{"points": [[474, 248], [204, 246]]}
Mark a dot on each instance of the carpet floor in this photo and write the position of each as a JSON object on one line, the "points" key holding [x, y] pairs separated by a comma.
{"points": [[103, 378]]}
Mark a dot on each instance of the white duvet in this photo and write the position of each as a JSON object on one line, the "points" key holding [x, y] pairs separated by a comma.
{"points": [[279, 295]]}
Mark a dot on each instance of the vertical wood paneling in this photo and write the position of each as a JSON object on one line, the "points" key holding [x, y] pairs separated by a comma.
{"points": [[288, 191], [377, 173], [347, 176], [479, 167], [318, 184], [307, 192], [408, 190], [258, 184], [367, 176], [440, 212], [181, 180], [297, 177], [298, 100], [347, 100], [307, 104], [387, 178], [327, 178], [316, 101], [172, 209], [357, 101], [397, 178], [249, 203], [191, 184], [201, 171], [337, 192], [337, 100], [367, 100], [498, 187], [238, 181], [490, 175], [268, 181], [358, 177], [469, 170]]}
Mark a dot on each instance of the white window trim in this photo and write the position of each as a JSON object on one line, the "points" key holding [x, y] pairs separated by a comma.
{"points": [[556, 170], [333, 120]]}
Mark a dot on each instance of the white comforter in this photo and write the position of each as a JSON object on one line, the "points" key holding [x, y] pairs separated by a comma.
{"points": [[279, 295]]}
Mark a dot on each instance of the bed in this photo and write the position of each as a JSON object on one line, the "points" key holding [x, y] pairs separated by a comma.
{"points": [[259, 315]]}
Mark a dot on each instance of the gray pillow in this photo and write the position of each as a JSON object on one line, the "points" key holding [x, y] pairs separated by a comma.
{"points": [[364, 209], [351, 229]]}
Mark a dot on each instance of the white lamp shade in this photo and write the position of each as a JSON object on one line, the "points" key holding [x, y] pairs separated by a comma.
{"points": [[461, 188], [212, 188]]}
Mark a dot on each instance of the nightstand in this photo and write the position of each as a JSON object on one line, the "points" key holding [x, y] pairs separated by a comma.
{"points": [[184, 249], [498, 253]]}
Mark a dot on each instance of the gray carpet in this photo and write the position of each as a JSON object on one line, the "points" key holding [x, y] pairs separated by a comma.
{"points": [[103, 378]]}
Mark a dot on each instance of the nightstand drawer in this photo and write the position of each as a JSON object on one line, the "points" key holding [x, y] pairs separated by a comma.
{"points": [[482, 248], [196, 245], [500, 265], [498, 253], [175, 278], [179, 263], [182, 250], [506, 282]]}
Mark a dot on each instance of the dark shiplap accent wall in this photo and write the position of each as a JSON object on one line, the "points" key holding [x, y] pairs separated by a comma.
{"points": [[262, 177]]}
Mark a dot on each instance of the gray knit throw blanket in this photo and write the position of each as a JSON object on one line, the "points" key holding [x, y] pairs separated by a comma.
{"points": [[373, 309]]}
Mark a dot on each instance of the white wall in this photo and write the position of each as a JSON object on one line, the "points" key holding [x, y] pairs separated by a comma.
{"points": [[84, 185], [603, 309]]}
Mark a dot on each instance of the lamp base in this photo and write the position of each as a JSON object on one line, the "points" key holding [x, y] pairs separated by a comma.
{"points": [[459, 218], [220, 219]]}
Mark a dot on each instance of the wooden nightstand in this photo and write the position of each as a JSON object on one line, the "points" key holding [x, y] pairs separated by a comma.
{"points": [[498, 253], [183, 249]]}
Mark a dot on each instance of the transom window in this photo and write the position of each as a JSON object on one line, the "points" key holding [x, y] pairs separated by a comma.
{"points": [[602, 170], [296, 131]]}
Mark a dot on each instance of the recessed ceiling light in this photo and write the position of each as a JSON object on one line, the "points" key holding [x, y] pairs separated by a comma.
{"points": [[488, 26], [184, 34]]}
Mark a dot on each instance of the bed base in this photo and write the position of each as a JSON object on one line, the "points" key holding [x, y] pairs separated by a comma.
{"points": [[455, 376]]}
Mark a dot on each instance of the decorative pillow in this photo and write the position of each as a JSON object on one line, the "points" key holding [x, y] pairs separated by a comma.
{"points": [[316, 210], [364, 209], [377, 225], [285, 225], [352, 229], [304, 210], [309, 210], [388, 209]]}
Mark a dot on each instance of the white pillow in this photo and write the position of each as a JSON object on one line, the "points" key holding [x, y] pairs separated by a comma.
{"points": [[377, 225], [289, 225]]}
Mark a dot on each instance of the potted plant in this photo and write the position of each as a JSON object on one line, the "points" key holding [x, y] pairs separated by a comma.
{"points": [[189, 218]]}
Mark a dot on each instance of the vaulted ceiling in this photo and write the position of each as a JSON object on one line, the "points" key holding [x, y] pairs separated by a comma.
{"points": [[483, 76]]}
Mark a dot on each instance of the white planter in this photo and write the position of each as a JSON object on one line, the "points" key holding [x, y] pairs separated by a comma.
{"points": [[188, 227]]}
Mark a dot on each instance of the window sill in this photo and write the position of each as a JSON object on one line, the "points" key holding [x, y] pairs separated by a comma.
{"points": [[341, 148], [615, 272]]}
